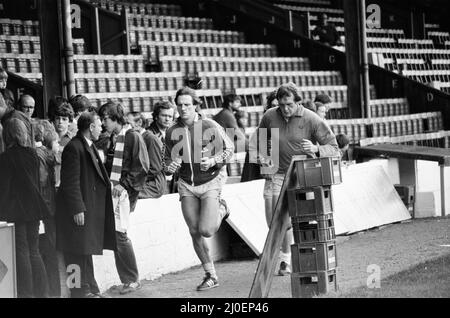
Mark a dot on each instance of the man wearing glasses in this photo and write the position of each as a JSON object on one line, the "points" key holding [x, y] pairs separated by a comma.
{"points": [[26, 105], [6, 114]]}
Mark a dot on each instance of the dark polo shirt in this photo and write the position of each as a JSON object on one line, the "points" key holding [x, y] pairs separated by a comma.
{"points": [[305, 124]]}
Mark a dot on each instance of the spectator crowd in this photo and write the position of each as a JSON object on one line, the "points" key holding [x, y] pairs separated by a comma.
{"points": [[70, 182]]}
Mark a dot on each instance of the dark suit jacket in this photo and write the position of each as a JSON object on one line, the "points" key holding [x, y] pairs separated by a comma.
{"points": [[85, 187], [20, 198]]}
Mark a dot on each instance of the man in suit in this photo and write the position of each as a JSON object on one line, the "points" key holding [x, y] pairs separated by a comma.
{"points": [[85, 216]]}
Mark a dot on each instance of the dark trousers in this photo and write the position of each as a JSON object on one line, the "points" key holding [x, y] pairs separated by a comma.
{"points": [[86, 266], [31, 274], [125, 259], [47, 248]]}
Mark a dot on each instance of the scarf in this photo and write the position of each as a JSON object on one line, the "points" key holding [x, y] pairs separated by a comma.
{"points": [[116, 170]]}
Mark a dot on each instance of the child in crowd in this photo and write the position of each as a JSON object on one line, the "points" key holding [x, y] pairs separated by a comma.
{"points": [[242, 119]]}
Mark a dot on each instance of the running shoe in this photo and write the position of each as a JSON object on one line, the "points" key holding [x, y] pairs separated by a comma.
{"points": [[208, 283]]}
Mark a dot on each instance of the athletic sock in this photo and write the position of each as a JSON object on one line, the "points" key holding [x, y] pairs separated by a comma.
{"points": [[209, 268]]}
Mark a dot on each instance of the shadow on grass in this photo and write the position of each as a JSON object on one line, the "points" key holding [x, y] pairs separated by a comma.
{"points": [[430, 279]]}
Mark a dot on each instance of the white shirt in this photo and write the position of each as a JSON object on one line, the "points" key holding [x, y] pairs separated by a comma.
{"points": [[89, 142]]}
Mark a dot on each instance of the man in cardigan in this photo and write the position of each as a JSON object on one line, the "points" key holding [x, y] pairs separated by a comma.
{"points": [[84, 217], [127, 164]]}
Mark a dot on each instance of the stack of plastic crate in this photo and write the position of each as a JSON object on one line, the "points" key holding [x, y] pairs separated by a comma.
{"points": [[314, 257]]}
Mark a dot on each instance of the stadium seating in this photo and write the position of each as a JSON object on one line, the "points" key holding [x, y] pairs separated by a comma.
{"points": [[109, 63], [316, 10], [20, 44], [229, 64], [233, 80], [78, 46], [224, 62], [138, 34], [127, 82], [152, 50], [392, 126], [145, 100], [21, 63], [19, 27], [169, 22], [390, 48], [139, 8], [389, 107]]}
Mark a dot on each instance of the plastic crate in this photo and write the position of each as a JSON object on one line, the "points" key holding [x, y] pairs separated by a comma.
{"points": [[322, 221], [311, 258], [310, 202], [307, 285], [308, 231], [318, 172]]}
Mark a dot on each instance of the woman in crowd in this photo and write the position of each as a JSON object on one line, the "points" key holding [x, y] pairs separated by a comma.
{"points": [[23, 205], [242, 121]]}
